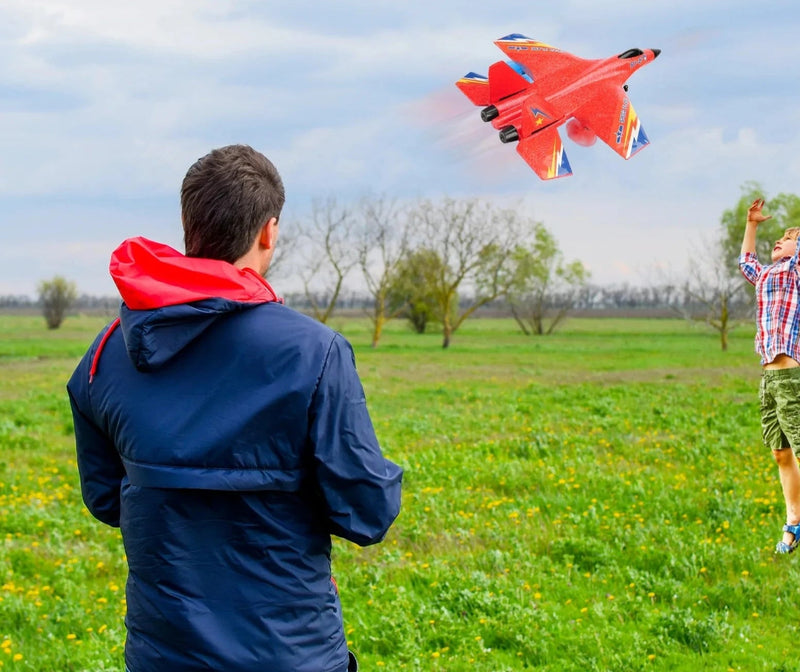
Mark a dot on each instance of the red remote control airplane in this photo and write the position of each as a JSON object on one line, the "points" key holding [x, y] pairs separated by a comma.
{"points": [[529, 98]]}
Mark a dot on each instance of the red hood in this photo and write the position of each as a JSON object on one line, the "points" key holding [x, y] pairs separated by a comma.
{"points": [[152, 275]]}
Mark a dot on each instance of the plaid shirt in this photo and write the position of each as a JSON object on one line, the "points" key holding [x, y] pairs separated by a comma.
{"points": [[778, 296]]}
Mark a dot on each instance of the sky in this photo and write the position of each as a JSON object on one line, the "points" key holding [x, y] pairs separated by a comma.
{"points": [[104, 106]]}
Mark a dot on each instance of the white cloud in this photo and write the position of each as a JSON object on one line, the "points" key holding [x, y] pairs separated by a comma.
{"points": [[103, 106], [201, 28]]}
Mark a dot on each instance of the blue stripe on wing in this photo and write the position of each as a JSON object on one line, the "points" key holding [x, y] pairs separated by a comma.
{"points": [[476, 77], [515, 37]]}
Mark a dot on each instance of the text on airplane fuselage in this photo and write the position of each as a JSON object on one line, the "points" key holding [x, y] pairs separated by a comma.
{"points": [[622, 114]]}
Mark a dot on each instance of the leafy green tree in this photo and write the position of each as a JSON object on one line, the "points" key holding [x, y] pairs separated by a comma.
{"points": [[544, 287], [412, 284], [785, 211], [56, 296]]}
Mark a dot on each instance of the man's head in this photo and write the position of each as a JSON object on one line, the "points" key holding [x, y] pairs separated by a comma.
{"points": [[787, 245], [227, 197]]}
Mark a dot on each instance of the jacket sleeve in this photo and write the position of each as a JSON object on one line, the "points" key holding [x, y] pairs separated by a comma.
{"points": [[360, 487], [99, 465]]}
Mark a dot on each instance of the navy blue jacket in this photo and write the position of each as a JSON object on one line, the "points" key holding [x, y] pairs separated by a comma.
{"points": [[228, 436]]}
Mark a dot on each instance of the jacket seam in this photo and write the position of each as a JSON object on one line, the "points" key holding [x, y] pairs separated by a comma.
{"points": [[197, 466], [322, 370]]}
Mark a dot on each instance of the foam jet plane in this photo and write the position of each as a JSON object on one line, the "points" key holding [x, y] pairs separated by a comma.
{"points": [[542, 87]]}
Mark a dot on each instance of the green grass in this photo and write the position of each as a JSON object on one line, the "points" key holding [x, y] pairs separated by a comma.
{"points": [[597, 499]]}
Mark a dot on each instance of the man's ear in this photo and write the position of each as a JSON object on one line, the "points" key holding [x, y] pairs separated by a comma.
{"points": [[269, 233]]}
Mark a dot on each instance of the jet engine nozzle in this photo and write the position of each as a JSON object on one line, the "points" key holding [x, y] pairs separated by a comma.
{"points": [[508, 134], [489, 113]]}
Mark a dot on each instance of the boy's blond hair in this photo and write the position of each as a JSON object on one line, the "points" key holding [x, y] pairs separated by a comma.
{"points": [[793, 232]]}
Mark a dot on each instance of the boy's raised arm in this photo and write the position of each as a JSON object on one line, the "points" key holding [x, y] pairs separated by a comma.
{"points": [[754, 218]]}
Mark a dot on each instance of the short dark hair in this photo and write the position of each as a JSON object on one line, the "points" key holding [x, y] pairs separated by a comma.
{"points": [[226, 197]]}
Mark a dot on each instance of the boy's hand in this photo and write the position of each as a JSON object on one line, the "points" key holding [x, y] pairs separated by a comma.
{"points": [[754, 214]]}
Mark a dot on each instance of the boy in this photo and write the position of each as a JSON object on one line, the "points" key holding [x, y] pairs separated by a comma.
{"points": [[778, 343]]}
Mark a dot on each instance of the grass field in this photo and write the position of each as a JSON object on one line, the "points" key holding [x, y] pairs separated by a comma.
{"points": [[597, 499]]}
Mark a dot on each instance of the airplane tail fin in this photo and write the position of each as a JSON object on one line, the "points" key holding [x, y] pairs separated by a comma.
{"points": [[475, 87], [504, 81], [544, 153]]}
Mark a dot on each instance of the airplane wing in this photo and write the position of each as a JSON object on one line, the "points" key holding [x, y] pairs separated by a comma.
{"points": [[612, 118], [475, 87], [544, 153], [539, 59]]}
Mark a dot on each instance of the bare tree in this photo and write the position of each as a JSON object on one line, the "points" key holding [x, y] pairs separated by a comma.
{"points": [[473, 241], [288, 242], [714, 292], [56, 296], [331, 254], [544, 286], [381, 248]]}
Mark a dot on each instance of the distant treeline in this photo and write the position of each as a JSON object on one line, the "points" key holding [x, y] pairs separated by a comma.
{"points": [[84, 303], [662, 300]]}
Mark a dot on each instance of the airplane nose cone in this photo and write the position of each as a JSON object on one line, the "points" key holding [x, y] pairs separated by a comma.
{"points": [[656, 52]]}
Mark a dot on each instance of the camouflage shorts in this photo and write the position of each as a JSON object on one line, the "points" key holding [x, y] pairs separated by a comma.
{"points": [[779, 395]]}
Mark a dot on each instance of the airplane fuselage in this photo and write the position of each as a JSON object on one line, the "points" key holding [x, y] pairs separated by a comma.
{"points": [[565, 91]]}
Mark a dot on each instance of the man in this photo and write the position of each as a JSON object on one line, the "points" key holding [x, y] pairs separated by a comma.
{"points": [[228, 437]]}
